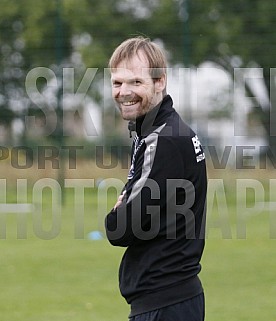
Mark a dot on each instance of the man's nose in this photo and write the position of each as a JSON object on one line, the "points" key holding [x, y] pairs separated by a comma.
{"points": [[125, 90]]}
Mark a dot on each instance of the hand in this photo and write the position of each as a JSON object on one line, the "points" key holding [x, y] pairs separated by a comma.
{"points": [[119, 200]]}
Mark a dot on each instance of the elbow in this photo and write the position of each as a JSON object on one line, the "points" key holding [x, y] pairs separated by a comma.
{"points": [[120, 242], [117, 239], [116, 235]]}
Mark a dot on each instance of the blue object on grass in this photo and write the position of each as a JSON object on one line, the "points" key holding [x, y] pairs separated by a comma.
{"points": [[95, 235]]}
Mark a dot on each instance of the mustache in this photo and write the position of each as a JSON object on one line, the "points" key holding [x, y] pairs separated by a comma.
{"points": [[123, 99]]}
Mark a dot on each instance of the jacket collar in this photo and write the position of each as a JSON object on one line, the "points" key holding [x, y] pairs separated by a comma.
{"points": [[146, 124]]}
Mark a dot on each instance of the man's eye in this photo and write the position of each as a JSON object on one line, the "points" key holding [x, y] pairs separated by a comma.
{"points": [[137, 82], [116, 84]]}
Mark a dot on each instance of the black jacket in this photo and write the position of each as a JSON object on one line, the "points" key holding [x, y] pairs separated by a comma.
{"points": [[161, 220]]}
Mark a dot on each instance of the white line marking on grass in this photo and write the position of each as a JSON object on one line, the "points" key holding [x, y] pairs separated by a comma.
{"points": [[17, 208]]}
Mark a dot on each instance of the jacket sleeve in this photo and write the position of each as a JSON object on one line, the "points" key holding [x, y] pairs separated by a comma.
{"points": [[138, 218]]}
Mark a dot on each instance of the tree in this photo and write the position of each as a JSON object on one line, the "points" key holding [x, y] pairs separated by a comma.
{"points": [[28, 39], [11, 66], [192, 31], [222, 31], [245, 28]]}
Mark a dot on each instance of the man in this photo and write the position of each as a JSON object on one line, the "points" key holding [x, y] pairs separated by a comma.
{"points": [[160, 215]]}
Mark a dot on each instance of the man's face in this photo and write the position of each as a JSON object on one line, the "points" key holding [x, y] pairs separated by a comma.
{"points": [[133, 88]]}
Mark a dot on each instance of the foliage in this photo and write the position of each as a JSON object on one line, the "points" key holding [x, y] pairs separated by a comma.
{"points": [[84, 33], [215, 28]]}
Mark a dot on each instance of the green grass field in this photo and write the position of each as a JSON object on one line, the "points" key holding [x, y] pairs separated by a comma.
{"points": [[61, 275]]}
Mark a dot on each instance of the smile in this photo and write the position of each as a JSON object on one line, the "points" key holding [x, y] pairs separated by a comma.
{"points": [[129, 103]]}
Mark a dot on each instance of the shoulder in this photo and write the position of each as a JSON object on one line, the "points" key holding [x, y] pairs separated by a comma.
{"points": [[177, 136]]}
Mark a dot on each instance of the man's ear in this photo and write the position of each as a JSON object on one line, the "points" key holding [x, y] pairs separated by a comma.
{"points": [[160, 83]]}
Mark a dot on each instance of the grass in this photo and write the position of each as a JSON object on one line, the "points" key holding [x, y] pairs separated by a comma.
{"points": [[65, 276], [238, 263], [59, 280], [239, 280], [58, 277]]}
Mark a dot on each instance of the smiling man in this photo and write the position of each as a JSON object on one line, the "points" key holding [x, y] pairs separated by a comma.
{"points": [[134, 89], [160, 215]]}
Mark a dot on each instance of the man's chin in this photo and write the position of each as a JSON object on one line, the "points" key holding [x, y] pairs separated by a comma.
{"points": [[129, 117]]}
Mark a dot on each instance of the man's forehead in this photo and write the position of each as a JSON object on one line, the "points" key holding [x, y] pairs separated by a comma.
{"points": [[137, 65], [120, 72]]}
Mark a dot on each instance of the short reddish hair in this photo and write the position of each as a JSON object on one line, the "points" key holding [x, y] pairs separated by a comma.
{"points": [[130, 47]]}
